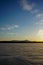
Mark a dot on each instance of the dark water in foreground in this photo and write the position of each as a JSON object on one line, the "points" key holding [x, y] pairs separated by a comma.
{"points": [[21, 54]]}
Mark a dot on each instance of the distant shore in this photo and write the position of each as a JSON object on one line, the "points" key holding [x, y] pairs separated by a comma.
{"points": [[24, 41]]}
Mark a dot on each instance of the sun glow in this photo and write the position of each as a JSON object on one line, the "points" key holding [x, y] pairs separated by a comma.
{"points": [[40, 35]]}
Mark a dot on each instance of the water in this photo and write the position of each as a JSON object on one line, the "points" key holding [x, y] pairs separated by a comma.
{"points": [[32, 52]]}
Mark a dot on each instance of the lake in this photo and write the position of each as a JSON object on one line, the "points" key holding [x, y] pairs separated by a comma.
{"points": [[32, 52]]}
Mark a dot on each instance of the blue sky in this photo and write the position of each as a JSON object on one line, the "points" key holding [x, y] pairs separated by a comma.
{"points": [[21, 19]]}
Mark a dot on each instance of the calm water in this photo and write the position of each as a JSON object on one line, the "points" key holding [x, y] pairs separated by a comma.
{"points": [[30, 51]]}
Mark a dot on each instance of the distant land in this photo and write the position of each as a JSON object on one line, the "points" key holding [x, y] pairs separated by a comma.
{"points": [[23, 41]]}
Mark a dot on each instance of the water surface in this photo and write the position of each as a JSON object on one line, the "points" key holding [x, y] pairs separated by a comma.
{"points": [[32, 52]]}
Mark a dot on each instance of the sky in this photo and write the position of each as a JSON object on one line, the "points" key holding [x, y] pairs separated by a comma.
{"points": [[21, 20]]}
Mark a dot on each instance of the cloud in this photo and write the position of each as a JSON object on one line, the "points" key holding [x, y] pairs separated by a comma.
{"points": [[40, 18], [7, 33], [40, 32], [34, 11], [2, 28], [40, 22], [11, 33], [9, 27], [16, 26], [40, 15], [26, 6]]}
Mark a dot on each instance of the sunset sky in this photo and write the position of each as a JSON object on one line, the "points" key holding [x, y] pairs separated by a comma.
{"points": [[21, 20]]}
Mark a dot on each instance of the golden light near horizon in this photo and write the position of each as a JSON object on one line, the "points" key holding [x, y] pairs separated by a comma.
{"points": [[40, 35]]}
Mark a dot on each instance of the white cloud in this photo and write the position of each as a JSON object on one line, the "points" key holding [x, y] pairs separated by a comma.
{"points": [[26, 6], [9, 27], [12, 26], [16, 26], [2, 28], [40, 15], [34, 11], [40, 33], [39, 22], [10, 33]]}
